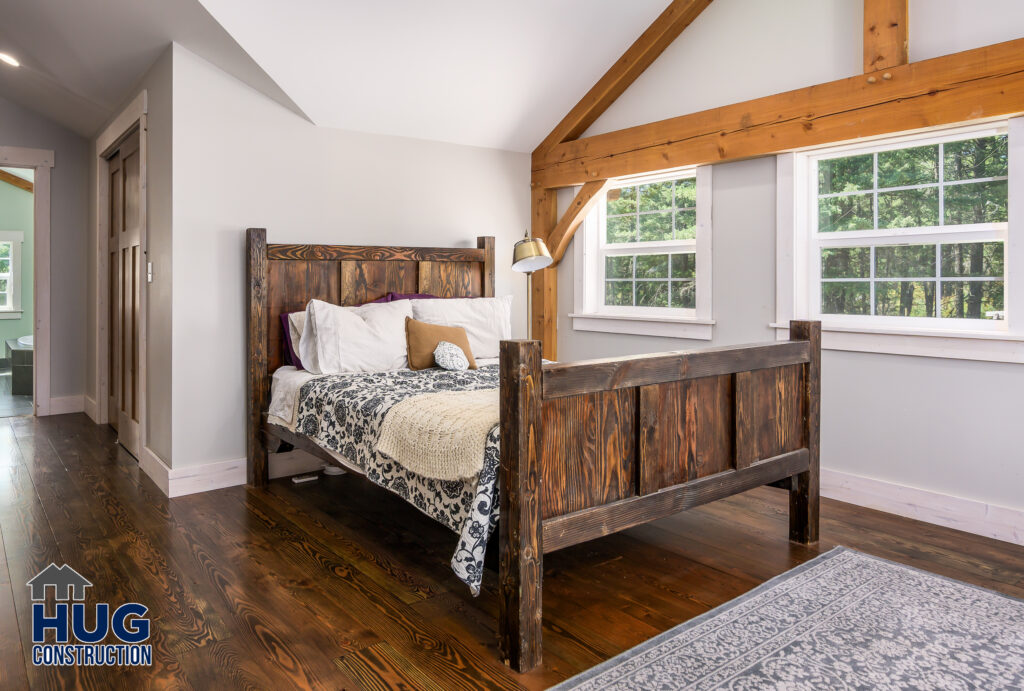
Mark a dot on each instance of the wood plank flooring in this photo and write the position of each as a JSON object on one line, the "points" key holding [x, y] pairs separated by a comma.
{"points": [[337, 584]]}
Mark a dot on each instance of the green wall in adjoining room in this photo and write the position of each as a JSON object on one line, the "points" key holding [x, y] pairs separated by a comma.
{"points": [[16, 214]]}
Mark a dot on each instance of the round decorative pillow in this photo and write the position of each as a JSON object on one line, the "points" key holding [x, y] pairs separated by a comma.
{"points": [[450, 356]]}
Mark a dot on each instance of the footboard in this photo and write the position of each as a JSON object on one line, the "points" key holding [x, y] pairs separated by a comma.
{"points": [[591, 448]]}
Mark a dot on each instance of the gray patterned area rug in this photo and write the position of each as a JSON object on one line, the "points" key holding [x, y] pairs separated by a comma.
{"points": [[843, 620]]}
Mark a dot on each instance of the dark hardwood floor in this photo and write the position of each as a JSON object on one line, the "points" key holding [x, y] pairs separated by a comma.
{"points": [[337, 584]]}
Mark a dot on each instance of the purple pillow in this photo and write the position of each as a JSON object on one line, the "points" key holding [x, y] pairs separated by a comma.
{"points": [[412, 296], [290, 356]]}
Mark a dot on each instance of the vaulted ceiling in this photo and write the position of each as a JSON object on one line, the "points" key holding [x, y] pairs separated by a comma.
{"points": [[494, 74], [80, 58]]}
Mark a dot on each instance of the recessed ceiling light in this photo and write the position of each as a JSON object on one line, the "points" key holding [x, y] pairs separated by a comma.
{"points": [[9, 60]]}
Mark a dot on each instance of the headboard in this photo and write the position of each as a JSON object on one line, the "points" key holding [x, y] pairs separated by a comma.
{"points": [[283, 278]]}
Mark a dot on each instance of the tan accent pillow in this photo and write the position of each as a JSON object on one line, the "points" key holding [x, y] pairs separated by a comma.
{"points": [[422, 338]]}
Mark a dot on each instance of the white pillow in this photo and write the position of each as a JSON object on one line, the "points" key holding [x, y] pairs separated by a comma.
{"points": [[369, 338], [486, 320]]}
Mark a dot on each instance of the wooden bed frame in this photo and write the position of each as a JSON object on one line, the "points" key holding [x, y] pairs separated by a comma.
{"points": [[587, 448]]}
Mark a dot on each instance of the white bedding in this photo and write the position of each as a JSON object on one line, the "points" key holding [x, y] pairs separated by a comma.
{"points": [[284, 394]]}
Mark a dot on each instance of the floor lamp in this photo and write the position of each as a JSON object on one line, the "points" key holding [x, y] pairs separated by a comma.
{"points": [[529, 255]]}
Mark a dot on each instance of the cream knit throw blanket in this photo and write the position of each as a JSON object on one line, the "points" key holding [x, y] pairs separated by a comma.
{"points": [[440, 435]]}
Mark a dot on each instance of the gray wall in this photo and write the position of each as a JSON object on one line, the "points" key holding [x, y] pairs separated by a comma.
{"points": [[949, 426], [68, 238]]}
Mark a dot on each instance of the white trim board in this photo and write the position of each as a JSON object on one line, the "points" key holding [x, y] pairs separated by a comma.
{"points": [[177, 482], [969, 515], [62, 405]]}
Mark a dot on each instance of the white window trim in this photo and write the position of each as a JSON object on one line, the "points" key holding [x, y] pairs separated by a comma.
{"points": [[589, 312], [16, 238], [984, 340]]}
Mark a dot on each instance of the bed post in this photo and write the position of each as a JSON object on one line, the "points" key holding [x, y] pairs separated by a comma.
{"points": [[486, 243], [256, 379], [804, 492], [519, 528]]}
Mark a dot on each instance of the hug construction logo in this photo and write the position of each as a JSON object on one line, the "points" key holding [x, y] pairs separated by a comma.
{"points": [[74, 642]]}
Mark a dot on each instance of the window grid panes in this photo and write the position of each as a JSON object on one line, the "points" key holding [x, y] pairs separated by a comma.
{"points": [[651, 280], [652, 212], [931, 188], [944, 184], [949, 280], [6, 275]]}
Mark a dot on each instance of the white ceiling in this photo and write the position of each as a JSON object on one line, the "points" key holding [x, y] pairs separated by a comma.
{"points": [[488, 73], [80, 58]]}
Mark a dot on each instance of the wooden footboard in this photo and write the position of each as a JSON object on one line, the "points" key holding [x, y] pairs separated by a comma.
{"points": [[591, 448]]}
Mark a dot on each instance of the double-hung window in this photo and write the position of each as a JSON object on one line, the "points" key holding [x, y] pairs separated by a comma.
{"points": [[908, 237], [10, 274], [644, 263]]}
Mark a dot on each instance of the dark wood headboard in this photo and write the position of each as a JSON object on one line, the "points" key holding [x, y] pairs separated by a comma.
{"points": [[283, 278]]}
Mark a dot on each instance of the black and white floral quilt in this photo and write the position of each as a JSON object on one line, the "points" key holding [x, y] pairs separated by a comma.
{"points": [[344, 413]]}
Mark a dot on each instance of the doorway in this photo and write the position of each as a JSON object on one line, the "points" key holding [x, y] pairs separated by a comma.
{"points": [[121, 272], [124, 267], [17, 211]]}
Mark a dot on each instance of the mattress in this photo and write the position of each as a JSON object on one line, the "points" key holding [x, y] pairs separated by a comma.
{"points": [[343, 414]]}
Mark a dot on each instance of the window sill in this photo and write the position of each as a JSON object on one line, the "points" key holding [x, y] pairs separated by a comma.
{"points": [[697, 329], [984, 346], [11, 314]]}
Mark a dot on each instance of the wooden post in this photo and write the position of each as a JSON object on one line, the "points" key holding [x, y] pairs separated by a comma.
{"points": [[804, 493], [257, 379], [519, 530], [885, 34], [486, 243], [544, 283]]}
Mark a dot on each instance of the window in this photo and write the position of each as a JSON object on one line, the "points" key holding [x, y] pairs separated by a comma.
{"points": [[908, 236], [644, 260], [10, 274]]}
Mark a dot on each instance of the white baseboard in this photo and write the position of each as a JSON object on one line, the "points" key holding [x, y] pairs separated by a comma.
{"points": [[154, 466], [61, 405], [206, 477], [969, 515], [91, 410], [177, 482]]}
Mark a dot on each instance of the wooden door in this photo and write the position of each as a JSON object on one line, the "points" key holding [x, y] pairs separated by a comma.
{"points": [[125, 279]]}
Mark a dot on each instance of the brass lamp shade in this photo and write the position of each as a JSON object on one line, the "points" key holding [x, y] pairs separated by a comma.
{"points": [[529, 255]]}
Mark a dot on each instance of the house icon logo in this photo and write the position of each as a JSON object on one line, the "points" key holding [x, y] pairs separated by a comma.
{"points": [[68, 631], [67, 583]]}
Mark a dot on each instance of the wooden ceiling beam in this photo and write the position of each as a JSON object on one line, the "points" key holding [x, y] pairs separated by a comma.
{"points": [[585, 200], [885, 34], [972, 85], [19, 182], [645, 50]]}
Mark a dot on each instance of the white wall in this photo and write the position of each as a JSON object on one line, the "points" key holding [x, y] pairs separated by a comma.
{"points": [[949, 426], [157, 84], [789, 44], [68, 236], [241, 160]]}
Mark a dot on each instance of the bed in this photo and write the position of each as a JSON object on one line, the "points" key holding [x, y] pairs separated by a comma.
{"points": [[586, 448]]}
